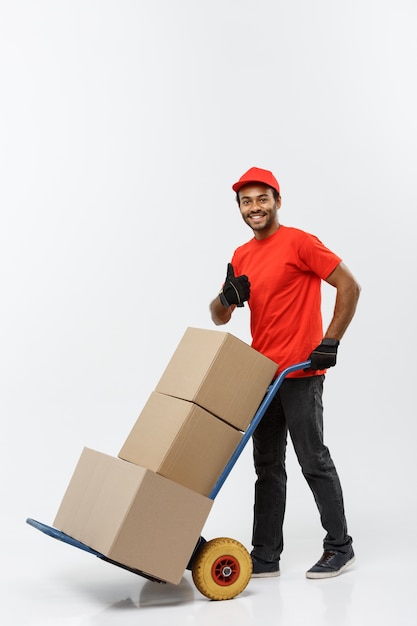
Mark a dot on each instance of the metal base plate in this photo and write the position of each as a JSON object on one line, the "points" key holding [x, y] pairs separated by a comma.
{"points": [[58, 534]]}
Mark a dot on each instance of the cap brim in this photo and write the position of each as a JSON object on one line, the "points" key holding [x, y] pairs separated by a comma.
{"points": [[241, 184], [237, 186]]}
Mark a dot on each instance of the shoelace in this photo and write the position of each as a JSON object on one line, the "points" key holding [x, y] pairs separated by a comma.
{"points": [[327, 555]]}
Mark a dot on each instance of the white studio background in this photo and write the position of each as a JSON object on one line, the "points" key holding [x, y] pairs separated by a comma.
{"points": [[123, 126]]}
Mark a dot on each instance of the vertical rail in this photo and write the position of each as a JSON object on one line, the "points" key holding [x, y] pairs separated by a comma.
{"points": [[272, 390]]}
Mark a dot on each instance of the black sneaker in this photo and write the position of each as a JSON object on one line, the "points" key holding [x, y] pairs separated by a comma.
{"points": [[331, 564], [264, 569]]}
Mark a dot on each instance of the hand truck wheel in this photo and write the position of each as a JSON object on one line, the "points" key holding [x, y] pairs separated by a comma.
{"points": [[221, 569]]}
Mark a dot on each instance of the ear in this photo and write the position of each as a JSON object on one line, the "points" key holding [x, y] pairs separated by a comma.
{"points": [[278, 202]]}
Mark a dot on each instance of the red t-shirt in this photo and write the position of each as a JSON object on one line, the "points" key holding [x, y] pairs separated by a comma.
{"points": [[285, 272]]}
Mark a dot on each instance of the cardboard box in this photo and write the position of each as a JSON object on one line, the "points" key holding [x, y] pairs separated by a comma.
{"points": [[220, 373], [132, 515], [181, 441]]}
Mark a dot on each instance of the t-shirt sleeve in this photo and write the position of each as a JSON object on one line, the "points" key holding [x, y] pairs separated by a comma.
{"points": [[316, 257]]}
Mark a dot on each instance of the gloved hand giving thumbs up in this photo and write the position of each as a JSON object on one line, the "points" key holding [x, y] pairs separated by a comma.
{"points": [[236, 289]]}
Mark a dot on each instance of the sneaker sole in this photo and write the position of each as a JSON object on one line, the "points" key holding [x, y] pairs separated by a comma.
{"points": [[330, 574], [266, 574]]}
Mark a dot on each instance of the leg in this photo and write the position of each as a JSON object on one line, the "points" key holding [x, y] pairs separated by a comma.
{"points": [[302, 403], [269, 447]]}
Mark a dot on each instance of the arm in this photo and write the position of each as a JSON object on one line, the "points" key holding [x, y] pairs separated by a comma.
{"points": [[347, 295], [219, 313]]}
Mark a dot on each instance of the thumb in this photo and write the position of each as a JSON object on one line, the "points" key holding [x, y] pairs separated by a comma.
{"points": [[230, 272]]}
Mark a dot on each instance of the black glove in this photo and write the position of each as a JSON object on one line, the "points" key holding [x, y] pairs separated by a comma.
{"points": [[236, 289], [324, 355]]}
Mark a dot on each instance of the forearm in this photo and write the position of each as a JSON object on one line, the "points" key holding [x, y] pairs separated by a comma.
{"points": [[219, 313]]}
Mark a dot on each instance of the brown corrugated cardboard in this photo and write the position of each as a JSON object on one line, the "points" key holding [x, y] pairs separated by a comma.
{"points": [[220, 373], [181, 441], [132, 515]]}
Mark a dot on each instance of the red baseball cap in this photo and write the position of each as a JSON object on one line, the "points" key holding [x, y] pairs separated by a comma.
{"points": [[257, 175]]}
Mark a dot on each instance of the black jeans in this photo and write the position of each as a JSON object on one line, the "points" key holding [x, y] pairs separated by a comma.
{"points": [[297, 408]]}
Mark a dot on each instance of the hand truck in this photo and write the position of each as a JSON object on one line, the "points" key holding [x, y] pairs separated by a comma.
{"points": [[221, 568]]}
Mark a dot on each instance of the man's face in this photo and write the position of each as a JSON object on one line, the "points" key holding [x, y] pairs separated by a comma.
{"points": [[259, 209]]}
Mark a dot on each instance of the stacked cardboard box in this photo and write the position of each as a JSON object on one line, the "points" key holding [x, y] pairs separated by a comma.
{"points": [[181, 441], [132, 515], [220, 373], [146, 508]]}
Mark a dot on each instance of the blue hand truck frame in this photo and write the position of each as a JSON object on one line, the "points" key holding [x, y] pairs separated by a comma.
{"points": [[270, 394]]}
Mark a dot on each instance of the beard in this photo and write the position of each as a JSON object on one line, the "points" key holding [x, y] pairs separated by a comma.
{"points": [[268, 219]]}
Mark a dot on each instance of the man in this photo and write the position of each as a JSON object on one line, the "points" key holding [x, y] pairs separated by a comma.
{"points": [[279, 273]]}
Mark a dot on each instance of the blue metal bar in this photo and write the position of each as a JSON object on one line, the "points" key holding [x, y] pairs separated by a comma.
{"points": [[61, 536], [272, 390]]}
